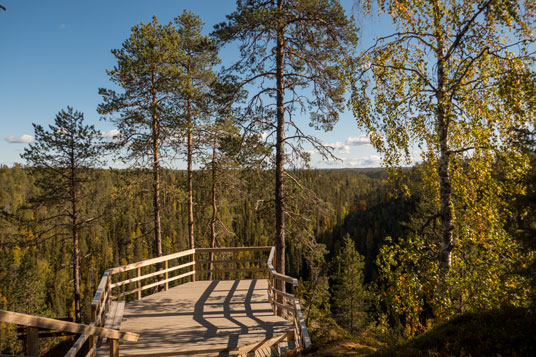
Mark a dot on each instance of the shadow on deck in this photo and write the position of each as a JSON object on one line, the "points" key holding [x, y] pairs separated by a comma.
{"points": [[203, 317], [239, 307]]}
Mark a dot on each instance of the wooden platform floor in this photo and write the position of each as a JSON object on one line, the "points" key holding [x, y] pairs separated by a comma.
{"points": [[201, 318]]}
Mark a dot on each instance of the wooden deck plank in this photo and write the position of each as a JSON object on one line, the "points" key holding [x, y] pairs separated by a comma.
{"points": [[201, 316], [118, 317]]}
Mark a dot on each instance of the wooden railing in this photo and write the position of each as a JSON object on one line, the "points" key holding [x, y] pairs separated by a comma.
{"points": [[231, 263], [133, 281], [33, 323], [286, 303], [159, 273]]}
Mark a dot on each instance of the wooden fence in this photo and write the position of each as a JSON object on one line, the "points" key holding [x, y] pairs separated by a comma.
{"points": [[33, 323], [136, 280]]}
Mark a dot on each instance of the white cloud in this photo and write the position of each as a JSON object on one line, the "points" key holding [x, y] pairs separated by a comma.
{"points": [[340, 147], [357, 140], [364, 161], [110, 134], [20, 139], [64, 26], [336, 146], [345, 150], [357, 162]]}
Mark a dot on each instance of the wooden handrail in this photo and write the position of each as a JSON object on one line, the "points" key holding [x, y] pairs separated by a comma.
{"points": [[152, 261], [233, 249], [101, 288], [159, 272], [302, 335], [52, 324]]}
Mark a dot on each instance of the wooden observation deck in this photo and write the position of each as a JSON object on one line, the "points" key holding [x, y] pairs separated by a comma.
{"points": [[200, 302]]}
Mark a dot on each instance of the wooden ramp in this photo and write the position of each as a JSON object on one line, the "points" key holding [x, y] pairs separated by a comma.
{"points": [[209, 318]]}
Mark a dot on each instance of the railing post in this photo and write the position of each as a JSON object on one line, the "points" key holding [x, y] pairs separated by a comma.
{"points": [[109, 290], [32, 341], [139, 283], [114, 348], [93, 339], [234, 265], [194, 257], [166, 286]]}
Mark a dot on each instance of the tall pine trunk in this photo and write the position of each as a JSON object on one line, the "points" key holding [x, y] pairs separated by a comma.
{"points": [[214, 208], [76, 245], [190, 179], [156, 177], [280, 158], [442, 123]]}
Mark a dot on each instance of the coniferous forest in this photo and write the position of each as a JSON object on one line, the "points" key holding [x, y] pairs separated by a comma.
{"points": [[435, 256]]}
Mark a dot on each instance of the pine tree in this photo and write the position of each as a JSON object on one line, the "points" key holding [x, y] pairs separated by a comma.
{"points": [[349, 293], [61, 159], [193, 88], [289, 47], [147, 72]]}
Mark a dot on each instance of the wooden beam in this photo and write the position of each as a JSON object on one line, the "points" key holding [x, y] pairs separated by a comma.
{"points": [[281, 293], [32, 341], [101, 288], [78, 345], [262, 344], [283, 277], [145, 287], [166, 274], [233, 270], [92, 352], [232, 261], [233, 249], [151, 261], [142, 277], [51, 324], [303, 328], [114, 348], [286, 307], [139, 283]]}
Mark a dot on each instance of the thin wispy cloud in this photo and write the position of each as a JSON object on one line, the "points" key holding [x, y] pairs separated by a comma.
{"points": [[23, 139], [340, 147], [357, 140], [345, 147], [64, 26]]}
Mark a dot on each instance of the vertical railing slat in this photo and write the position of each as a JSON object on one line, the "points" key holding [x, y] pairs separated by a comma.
{"points": [[139, 283], [166, 265]]}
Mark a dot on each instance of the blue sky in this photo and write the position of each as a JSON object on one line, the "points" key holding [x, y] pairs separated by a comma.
{"points": [[55, 53]]}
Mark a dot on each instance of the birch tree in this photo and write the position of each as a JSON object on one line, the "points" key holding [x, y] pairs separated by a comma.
{"points": [[453, 81]]}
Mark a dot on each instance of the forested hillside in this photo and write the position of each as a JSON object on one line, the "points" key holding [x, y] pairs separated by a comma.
{"points": [[36, 271]]}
